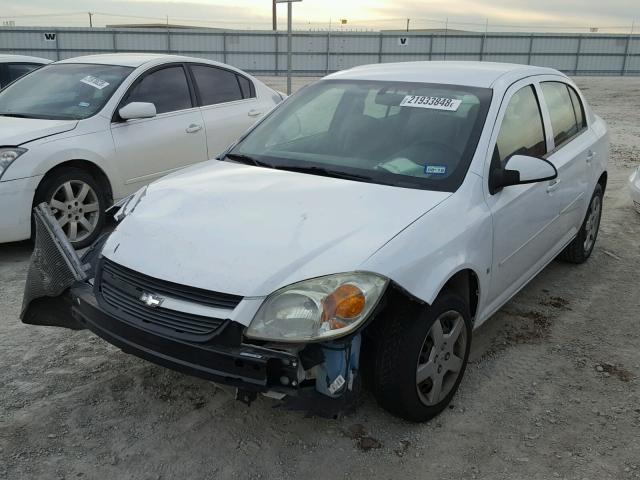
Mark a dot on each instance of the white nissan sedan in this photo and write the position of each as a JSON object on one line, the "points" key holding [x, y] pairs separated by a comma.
{"points": [[363, 229], [81, 133]]}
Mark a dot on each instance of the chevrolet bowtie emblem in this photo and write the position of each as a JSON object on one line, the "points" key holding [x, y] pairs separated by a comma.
{"points": [[151, 300]]}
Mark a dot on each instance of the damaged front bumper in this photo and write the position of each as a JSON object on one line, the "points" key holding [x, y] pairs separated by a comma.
{"points": [[63, 290]]}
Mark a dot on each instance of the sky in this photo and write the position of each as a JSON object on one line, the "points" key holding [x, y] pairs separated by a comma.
{"points": [[517, 15]]}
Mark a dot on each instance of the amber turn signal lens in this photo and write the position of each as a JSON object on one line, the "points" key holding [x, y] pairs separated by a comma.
{"points": [[346, 302]]}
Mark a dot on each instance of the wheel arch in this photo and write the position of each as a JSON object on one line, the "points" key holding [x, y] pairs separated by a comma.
{"points": [[466, 283], [602, 181], [87, 166]]}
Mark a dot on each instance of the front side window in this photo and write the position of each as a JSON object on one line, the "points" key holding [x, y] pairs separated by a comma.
{"points": [[216, 85], [561, 111], [62, 91], [405, 134], [166, 88], [522, 131]]}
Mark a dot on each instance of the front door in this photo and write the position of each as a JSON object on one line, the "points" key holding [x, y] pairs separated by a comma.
{"points": [[148, 148], [523, 215]]}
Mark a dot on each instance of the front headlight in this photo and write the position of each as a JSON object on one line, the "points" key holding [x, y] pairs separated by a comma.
{"points": [[8, 155], [318, 309]]}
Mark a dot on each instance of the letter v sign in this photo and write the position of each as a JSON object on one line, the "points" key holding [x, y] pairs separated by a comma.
{"points": [[403, 41]]}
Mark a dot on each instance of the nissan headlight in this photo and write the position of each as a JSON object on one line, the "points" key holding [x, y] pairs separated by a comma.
{"points": [[319, 309], [8, 155]]}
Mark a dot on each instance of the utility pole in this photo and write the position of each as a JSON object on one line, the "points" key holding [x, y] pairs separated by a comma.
{"points": [[408, 19], [90, 19], [274, 16]]}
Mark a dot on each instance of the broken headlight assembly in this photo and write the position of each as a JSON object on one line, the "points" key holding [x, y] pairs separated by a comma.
{"points": [[318, 309]]}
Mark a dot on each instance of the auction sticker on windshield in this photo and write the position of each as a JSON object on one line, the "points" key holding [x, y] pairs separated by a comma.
{"points": [[94, 82], [436, 103]]}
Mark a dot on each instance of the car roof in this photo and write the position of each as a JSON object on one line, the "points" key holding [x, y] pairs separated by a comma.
{"points": [[473, 74], [23, 59]]}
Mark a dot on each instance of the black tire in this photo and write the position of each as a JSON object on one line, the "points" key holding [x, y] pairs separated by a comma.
{"points": [[75, 177], [579, 250], [398, 344]]}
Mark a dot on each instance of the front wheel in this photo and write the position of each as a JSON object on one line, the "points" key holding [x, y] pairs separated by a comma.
{"points": [[579, 250], [419, 363], [77, 202]]}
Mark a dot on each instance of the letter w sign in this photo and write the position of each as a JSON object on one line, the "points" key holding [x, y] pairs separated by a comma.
{"points": [[49, 37]]}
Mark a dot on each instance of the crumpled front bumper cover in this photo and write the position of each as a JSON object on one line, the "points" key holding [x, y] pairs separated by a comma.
{"points": [[247, 367]]}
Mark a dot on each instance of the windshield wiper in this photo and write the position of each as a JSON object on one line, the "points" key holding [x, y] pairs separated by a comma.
{"points": [[246, 159], [326, 172], [16, 115]]}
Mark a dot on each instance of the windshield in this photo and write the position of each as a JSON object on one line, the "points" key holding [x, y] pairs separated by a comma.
{"points": [[62, 91], [396, 133]]}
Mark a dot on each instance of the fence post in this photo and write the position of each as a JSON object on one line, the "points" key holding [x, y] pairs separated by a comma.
{"points": [[113, 39], [57, 47], [530, 49], [380, 49], [626, 51], [224, 47], [482, 39], [430, 46], [328, 50], [275, 63], [575, 68], [168, 40]]}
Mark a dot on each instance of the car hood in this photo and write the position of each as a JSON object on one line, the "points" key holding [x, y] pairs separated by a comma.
{"points": [[248, 230], [16, 131]]}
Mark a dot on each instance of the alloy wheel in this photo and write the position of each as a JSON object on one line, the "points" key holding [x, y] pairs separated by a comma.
{"points": [[592, 224], [76, 208], [441, 358]]}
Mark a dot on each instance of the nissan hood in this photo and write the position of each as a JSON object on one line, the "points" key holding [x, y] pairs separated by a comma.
{"points": [[248, 230], [17, 131]]}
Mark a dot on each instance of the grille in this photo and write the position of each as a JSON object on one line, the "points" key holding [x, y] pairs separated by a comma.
{"points": [[121, 289]]}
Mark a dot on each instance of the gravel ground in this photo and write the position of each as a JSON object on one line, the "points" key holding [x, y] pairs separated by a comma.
{"points": [[552, 390]]}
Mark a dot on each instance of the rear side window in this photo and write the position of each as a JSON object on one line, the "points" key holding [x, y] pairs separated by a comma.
{"points": [[522, 130], [13, 71], [167, 89], [216, 85], [563, 116], [248, 90]]}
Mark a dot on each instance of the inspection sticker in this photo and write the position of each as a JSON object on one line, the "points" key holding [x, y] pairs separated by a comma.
{"points": [[435, 169], [336, 385], [94, 82], [436, 103]]}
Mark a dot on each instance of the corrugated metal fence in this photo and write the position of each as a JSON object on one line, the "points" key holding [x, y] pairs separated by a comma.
{"points": [[317, 53]]}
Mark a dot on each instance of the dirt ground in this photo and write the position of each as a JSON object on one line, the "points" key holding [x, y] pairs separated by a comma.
{"points": [[552, 390]]}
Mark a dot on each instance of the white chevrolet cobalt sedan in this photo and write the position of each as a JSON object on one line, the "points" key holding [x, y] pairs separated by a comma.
{"points": [[362, 230], [81, 133]]}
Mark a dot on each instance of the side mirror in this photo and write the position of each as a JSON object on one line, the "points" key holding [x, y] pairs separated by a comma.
{"points": [[521, 169], [135, 110]]}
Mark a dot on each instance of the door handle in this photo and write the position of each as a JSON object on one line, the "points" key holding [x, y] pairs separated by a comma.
{"points": [[254, 113], [553, 185], [590, 155], [193, 128]]}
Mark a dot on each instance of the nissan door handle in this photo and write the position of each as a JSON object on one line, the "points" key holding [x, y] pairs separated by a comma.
{"points": [[590, 155], [254, 113], [553, 185], [193, 128]]}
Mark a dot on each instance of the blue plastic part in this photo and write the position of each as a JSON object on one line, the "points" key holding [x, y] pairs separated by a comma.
{"points": [[340, 367]]}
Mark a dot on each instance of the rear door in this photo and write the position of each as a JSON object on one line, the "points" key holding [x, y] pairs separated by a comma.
{"points": [[148, 148], [570, 153], [229, 104]]}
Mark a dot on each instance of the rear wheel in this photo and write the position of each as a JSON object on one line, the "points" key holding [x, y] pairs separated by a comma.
{"points": [[579, 250], [420, 362], [77, 201]]}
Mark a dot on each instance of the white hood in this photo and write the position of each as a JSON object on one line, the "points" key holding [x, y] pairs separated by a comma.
{"points": [[248, 231], [16, 131]]}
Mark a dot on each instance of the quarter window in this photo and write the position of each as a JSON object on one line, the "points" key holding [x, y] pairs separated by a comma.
{"points": [[561, 111], [522, 130], [578, 108], [167, 89], [216, 85]]}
